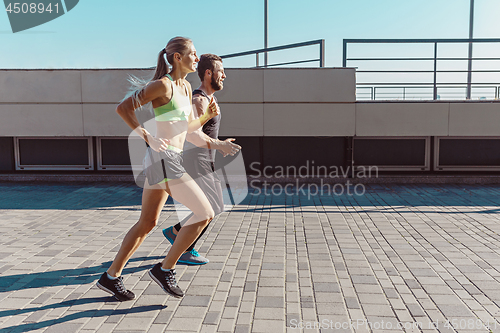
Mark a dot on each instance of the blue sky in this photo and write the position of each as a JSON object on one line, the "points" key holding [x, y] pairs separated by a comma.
{"points": [[129, 34]]}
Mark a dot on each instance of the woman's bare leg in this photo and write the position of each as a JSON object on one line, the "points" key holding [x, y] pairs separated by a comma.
{"points": [[153, 200], [187, 192]]}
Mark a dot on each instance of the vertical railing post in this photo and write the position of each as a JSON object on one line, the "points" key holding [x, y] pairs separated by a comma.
{"points": [[469, 65], [434, 95], [374, 92], [266, 8], [257, 59], [322, 53], [344, 54]]}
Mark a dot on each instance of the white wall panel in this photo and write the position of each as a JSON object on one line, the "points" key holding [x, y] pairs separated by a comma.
{"points": [[474, 119], [108, 86], [309, 85], [102, 120], [401, 119], [309, 119], [242, 86], [242, 119], [40, 86], [41, 120]]}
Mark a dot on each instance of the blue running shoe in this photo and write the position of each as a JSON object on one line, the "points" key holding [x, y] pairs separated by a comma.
{"points": [[169, 234], [192, 258]]}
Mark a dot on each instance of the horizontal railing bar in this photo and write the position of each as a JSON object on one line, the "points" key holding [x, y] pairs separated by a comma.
{"points": [[396, 94], [421, 84], [416, 93], [419, 93], [290, 63], [269, 49], [430, 93], [411, 41], [440, 71], [422, 88], [420, 59], [430, 97], [480, 89]]}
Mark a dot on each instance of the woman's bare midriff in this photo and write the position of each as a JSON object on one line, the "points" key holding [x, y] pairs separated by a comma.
{"points": [[175, 131]]}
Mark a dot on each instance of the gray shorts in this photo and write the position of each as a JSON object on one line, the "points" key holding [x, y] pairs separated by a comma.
{"points": [[160, 167]]}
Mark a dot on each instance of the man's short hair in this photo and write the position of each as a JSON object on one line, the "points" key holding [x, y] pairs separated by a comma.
{"points": [[207, 61]]}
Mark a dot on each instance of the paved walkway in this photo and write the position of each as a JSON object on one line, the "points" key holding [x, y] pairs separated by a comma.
{"points": [[422, 257]]}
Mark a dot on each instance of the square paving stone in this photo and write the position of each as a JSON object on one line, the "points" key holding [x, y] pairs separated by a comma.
{"points": [[203, 301], [270, 302]]}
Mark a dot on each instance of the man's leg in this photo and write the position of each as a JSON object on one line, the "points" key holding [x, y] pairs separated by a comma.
{"points": [[201, 170], [214, 195], [209, 182], [190, 256], [191, 163], [172, 232]]}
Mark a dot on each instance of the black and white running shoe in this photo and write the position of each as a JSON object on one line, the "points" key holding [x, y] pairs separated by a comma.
{"points": [[166, 280], [115, 287]]}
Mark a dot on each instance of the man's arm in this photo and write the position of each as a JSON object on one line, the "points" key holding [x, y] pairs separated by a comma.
{"points": [[200, 139], [202, 112]]}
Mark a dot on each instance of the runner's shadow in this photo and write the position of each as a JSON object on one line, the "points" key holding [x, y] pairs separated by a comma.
{"points": [[68, 303], [65, 277], [73, 316]]}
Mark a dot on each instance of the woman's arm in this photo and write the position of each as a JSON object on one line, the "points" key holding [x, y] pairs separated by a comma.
{"points": [[126, 109]]}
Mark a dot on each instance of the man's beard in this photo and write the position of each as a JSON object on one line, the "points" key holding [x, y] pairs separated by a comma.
{"points": [[215, 85]]}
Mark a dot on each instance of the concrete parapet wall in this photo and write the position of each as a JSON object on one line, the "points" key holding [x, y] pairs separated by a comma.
{"points": [[402, 119], [474, 119], [254, 102]]}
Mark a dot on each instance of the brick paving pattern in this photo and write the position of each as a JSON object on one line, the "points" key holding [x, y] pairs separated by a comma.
{"points": [[400, 258]]}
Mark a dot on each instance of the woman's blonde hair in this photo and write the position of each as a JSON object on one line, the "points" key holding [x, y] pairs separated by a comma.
{"points": [[175, 45]]}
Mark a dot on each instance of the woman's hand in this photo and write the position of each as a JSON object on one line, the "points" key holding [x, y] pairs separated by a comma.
{"points": [[158, 144]]}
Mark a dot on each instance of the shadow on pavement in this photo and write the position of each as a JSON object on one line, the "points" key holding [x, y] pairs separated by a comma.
{"points": [[77, 196], [73, 316], [71, 196], [65, 277], [401, 198]]}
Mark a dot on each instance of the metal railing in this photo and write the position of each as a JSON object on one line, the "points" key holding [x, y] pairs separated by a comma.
{"points": [[425, 92], [320, 60], [407, 90]]}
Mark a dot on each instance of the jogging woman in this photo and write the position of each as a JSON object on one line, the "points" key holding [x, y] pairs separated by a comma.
{"points": [[170, 95]]}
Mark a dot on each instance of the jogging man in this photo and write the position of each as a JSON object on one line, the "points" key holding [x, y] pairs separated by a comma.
{"points": [[199, 152]]}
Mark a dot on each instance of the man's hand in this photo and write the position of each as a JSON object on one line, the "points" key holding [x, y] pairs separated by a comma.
{"points": [[227, 147]]}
